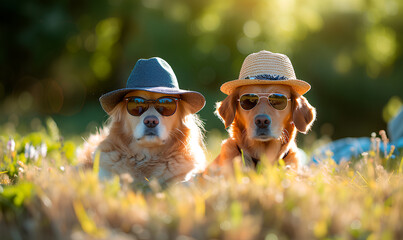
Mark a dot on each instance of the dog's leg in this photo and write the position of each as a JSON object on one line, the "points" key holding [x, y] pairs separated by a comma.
{"points": [[292, 158], [107, 163], [229, 151]]}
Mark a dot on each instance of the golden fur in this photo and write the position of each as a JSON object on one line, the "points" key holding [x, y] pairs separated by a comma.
{"points": [[298, 116], [174, 156]]}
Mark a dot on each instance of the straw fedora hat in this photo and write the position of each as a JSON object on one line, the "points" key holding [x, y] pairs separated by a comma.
{"points": [[265, 67], [152, 75]]}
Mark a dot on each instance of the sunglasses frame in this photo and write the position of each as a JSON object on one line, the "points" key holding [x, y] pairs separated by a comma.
{"points": [[152, 102], [260, 95]]}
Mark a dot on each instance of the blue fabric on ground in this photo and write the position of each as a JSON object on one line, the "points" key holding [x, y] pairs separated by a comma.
{"points": [[395, 127], [347, 148]]}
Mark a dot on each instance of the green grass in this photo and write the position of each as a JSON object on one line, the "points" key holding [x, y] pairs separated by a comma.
{"points": [[44, 196]]}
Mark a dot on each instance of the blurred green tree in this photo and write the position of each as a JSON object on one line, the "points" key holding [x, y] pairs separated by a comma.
{"points": [[57, 58]]}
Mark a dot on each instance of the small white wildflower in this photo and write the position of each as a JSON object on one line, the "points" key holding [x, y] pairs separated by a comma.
{"points": [[43, 150], [11, 145], [30, 152], [36, 153], [62, 168], [26, 151]]}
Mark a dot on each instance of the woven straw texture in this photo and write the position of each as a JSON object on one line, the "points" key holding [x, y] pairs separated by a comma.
{"points": [[267, 63]]}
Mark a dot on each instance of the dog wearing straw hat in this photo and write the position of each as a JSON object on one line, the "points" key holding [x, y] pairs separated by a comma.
{"points": [[264, 110], [153, 132]]}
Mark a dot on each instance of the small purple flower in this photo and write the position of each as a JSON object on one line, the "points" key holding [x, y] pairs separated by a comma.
{"points": [[11, 145]]}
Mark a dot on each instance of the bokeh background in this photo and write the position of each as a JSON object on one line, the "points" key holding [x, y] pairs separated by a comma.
{"points": [[58, 57]]}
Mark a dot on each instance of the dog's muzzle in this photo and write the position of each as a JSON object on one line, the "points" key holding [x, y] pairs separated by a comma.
{"points": [[151, 122], [262, 123]]}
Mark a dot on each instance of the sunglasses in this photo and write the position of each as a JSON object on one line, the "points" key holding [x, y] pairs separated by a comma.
{"points": [[276, 100], [166, 106]]}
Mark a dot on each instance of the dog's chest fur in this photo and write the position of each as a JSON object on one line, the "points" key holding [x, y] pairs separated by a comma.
{"points": [[143, 166]]}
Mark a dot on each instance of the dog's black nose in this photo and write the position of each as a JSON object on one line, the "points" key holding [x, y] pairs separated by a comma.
{"points": [[262, 121], [151, 121]]}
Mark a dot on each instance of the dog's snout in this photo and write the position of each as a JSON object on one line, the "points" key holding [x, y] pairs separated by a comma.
{"points": [[262, 121], [151, 121]]}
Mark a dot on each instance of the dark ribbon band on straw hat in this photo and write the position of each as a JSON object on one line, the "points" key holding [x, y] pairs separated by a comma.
{"points": [[267, 77]]}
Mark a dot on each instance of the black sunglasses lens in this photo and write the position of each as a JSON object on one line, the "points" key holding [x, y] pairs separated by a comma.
{"points": [[137, 106], [278, 101], [166, 106], [249, 101]]}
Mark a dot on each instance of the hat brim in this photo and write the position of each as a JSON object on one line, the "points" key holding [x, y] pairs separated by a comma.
{"points": [[195, 99], [301, 87]]}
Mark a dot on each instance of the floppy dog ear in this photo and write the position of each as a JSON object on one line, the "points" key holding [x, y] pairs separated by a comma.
{"points": [[303, 114], [226, 109]]}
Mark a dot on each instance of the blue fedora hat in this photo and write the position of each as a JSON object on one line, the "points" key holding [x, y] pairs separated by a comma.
{"points": [[152, 75]]}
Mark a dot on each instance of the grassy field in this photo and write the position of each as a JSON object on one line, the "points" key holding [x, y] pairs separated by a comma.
{"points": [[43, 196]]}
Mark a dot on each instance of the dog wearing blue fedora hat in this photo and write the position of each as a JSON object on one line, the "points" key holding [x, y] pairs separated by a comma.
{"points": [[153, 131]]}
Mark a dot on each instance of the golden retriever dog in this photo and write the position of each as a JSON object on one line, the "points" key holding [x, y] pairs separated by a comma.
{"points": [[263, 130], [153, 131], [264, 110], [149, 146]]}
